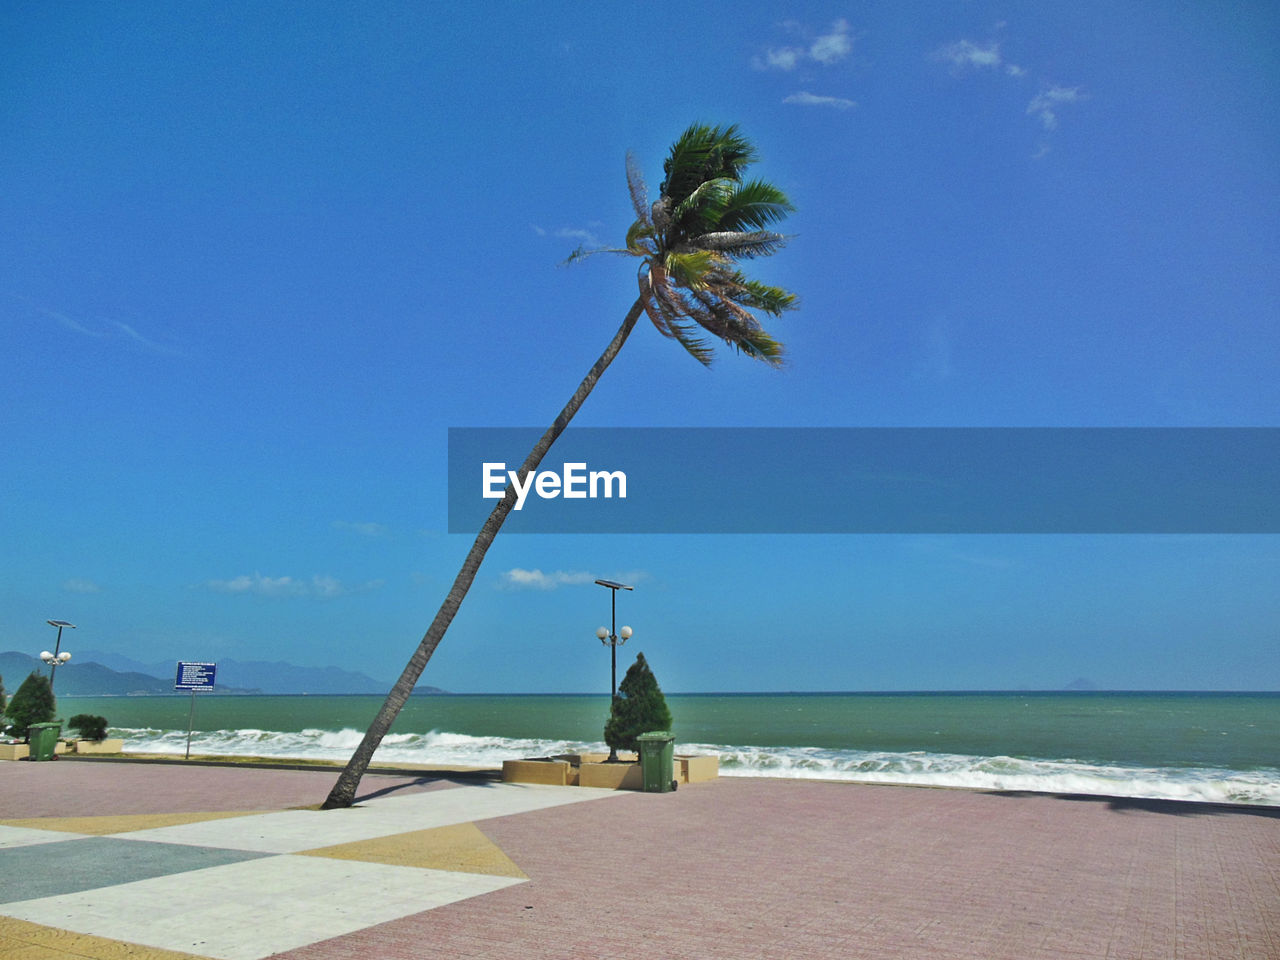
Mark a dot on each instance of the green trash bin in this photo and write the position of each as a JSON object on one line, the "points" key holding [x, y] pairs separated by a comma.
{"points": [[43, 740], [657, 758]]}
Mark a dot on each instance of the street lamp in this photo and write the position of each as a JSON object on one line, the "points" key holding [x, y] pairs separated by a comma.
{"points": [[58, 656], [613, 638]]}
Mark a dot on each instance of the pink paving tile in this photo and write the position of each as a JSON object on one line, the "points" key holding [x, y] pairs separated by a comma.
{"points": [[780, 869]]}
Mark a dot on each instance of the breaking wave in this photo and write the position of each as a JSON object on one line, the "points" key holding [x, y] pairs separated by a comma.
{"points": [[919, 768]]}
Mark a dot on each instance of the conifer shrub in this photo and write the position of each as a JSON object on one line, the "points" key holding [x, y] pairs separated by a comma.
{"points": [[639, 708], [88, 726], [33, 703]]}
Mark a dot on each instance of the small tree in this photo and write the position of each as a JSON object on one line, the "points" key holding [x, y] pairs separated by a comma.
{"points": [[88, 726], [33, 703], [2, 701], [639, 708]]}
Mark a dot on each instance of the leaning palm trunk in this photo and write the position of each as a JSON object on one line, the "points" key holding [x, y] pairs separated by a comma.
{"points": [[688, 243], [344, 791]]}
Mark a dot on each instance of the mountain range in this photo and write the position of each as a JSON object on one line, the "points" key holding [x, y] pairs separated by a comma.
{"points": [[102, 674]]}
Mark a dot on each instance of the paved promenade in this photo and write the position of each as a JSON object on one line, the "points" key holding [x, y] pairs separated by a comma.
{"points": [[115, 860]]}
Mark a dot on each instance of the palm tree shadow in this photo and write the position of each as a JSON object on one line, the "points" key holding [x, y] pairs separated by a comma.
{"points": [[460, 780], [1175, 808]]}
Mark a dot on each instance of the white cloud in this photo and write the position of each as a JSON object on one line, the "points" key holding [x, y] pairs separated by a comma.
{"points": [[585, 237], [258, 584], [518, 578], [79, 585], [783, 58], [966, 53], [320, 585], [327, 586], [813, 100], [537, 580], [828, 48], [102, 329], [1045, 104], [833, 46], [142, 341]]}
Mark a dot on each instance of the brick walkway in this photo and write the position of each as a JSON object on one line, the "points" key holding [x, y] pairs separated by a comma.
{"points": [[747, 868]]}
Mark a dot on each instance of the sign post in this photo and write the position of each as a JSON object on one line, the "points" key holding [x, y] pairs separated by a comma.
{"points": [[193, 677]]}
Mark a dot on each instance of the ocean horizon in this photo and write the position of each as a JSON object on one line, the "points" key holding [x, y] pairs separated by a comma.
{"points": [[1184, 745]]}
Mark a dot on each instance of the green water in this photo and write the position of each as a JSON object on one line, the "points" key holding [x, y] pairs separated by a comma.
{"points": [[1230, 731]]}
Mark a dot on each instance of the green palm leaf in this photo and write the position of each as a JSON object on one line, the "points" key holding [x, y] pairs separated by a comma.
{"points": [[704, 153], [705, 218], [754, 206]]}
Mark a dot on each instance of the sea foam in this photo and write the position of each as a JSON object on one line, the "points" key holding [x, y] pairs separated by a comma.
{"points": [[913, 767]]}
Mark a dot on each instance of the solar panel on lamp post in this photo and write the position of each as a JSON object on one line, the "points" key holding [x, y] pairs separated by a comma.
{"points": [[612, 639], [57, 657]]}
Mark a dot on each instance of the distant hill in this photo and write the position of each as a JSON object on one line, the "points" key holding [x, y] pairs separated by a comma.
{"points": [[262, 676], [79, 679]]}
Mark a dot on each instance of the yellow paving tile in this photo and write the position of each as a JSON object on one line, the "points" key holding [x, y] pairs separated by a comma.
{"points": [[20, 940], [461, 847], [126, 823]]}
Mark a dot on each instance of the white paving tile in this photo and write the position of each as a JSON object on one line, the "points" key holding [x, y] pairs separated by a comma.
{"points": [[25, 836], [290, 831], [249, 910]]}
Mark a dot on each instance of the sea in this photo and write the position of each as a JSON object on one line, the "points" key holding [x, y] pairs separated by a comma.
{"points": [[1210, 747]]}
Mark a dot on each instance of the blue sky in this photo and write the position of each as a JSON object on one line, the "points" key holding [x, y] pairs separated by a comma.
{"points": [[256, 259]]}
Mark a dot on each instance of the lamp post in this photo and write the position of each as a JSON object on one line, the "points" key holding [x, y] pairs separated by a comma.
{"points": [[612, 639], [58, 656]]}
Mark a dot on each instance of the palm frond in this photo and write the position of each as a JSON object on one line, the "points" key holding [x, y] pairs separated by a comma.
{"points": [[701, 210], [753, 206], [735, 244], [752, 293], [742, 331], [582, 251], [704, 220], [760, 346], [689, 269], [676, 316], [636, 187], [703, 153], [640, 230], [696, 346]]}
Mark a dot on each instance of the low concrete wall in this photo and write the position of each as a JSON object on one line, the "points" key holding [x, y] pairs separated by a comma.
{"points": [[20, 751], [697, 769], [554, 772], [100, 746], [591, 770], [611, 776]]}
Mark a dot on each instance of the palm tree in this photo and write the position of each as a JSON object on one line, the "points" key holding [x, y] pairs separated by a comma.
{"points": [[706, 219]]}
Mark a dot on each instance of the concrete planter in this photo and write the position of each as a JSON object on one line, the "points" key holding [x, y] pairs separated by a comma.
{"points": [[611, 776], [20, 751], [690, 768], [109, 745], [590, 770], [554, 772]]}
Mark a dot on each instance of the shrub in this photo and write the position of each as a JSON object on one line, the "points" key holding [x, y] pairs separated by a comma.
{"points": [[33, 703], [639, 708], [88, 726]]}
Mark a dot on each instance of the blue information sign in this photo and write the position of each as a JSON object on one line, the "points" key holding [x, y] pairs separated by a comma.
{"points": [[195, 676]]}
